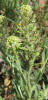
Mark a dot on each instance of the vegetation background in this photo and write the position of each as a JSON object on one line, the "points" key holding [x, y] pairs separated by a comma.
{"points": [[23, 50]]}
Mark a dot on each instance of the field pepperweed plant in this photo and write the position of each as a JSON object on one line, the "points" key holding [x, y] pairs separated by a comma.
{"points": [[23, 56]]}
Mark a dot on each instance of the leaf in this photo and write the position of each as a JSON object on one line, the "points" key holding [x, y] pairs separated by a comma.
{"points": [[1, 98], [43, 85], [43, 57], [20, 91], [26, 1]]}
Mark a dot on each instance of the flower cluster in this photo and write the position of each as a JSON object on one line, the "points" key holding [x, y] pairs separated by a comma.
{"points": [[13, 42], [26, 10], [2, 19], [27, 24]]}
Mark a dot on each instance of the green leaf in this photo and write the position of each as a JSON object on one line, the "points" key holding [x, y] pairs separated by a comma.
{"points": [[1, 98], [26, 1], [43, 57]]}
